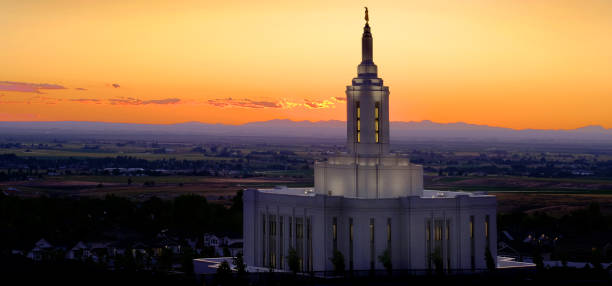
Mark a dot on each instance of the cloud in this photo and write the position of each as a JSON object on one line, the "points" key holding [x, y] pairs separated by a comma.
{"points": [[162, 101], [86, 100], [313, 104], [282, 103], [245, 103], [115, 85], [136, 101], [27, 87], [5, 116], [339, 99], [80, 88]]}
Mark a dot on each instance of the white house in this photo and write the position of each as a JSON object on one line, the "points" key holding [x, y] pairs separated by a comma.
{"points": [[211, 240], [234, 244], [40, 250], [368, 202], [92, 250], [79, 251]]}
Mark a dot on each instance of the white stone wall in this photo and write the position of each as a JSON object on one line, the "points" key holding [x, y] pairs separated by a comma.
{"points": [[408, 215], [368, 177]]}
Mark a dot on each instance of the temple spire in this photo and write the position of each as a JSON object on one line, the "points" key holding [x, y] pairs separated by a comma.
{"points": [[366, 42]]}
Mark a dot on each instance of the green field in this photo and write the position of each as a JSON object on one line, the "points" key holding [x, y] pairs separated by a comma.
{"points": [[51, 153]]}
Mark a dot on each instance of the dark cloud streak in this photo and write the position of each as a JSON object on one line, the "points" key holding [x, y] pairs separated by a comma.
{"points": [[27, 87], [135, 101], [245, 103]]}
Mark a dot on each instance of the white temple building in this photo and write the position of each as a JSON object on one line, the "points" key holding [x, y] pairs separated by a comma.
{"points": [[368, 201]]}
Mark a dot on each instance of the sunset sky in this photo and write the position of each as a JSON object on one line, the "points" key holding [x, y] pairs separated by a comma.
{"points": [[509, 63]]}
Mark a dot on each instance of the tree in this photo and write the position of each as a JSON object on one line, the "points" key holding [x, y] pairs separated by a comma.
{"points": [[226, 251], [436, 257], [139, 260], [538, 260], [489, 259], [239, 262], [165, 259], [240, 269], [338, 261], [596, 259], [293, 260], [385, 259], [125, 261], [224, 274], [187, 260], [209, 251]]}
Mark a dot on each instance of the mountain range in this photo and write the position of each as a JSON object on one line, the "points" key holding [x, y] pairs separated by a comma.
{"points": [[333, 129]]}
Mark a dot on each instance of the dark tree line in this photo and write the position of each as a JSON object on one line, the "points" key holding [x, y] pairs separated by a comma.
{"points": [[581, 235], [13, 167], [67, 220]]}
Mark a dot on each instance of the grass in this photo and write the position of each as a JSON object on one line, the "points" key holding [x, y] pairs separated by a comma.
{"points": [[52, 153], [135, 179], [165, 186]]}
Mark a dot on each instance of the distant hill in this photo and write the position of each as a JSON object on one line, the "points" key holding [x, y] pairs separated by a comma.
{"points": [[333, 129]]}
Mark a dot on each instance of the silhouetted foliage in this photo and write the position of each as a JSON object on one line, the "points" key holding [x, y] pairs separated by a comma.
{"points": [[338, 261], [438, 263], [538, 260], [489, 260], [385, 259], [224, 274], [187, 257], [66, 221], [241, 273], [293, 261]]}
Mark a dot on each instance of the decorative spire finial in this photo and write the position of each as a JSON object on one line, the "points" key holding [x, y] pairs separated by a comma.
{"points": [[366, 15]]}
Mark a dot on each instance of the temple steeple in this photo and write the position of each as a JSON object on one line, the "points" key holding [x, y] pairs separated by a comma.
{"points": [[367, 104], [367, 68], [366, 45]]}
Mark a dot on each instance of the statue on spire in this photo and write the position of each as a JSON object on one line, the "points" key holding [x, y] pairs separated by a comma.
{"points": [[367, 18]]}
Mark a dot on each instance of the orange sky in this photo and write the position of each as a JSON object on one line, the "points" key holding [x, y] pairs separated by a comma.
{"points": [[519, 64]]}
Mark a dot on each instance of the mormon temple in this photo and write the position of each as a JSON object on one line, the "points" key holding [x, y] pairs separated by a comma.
{"points": [[368, 202]]}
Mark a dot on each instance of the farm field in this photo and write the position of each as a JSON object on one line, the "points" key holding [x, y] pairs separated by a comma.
{"points": [[552, 196], [144, 187], [524, 179]]}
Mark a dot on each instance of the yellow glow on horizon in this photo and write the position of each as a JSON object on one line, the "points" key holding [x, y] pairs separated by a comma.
{"points": [[510, 63]]}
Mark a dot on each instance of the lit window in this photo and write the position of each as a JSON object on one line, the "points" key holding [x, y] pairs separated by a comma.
{"points": [[389, 229], [447, 230], [471, 227], [377, 121], [358, 121], [335, 231]]}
